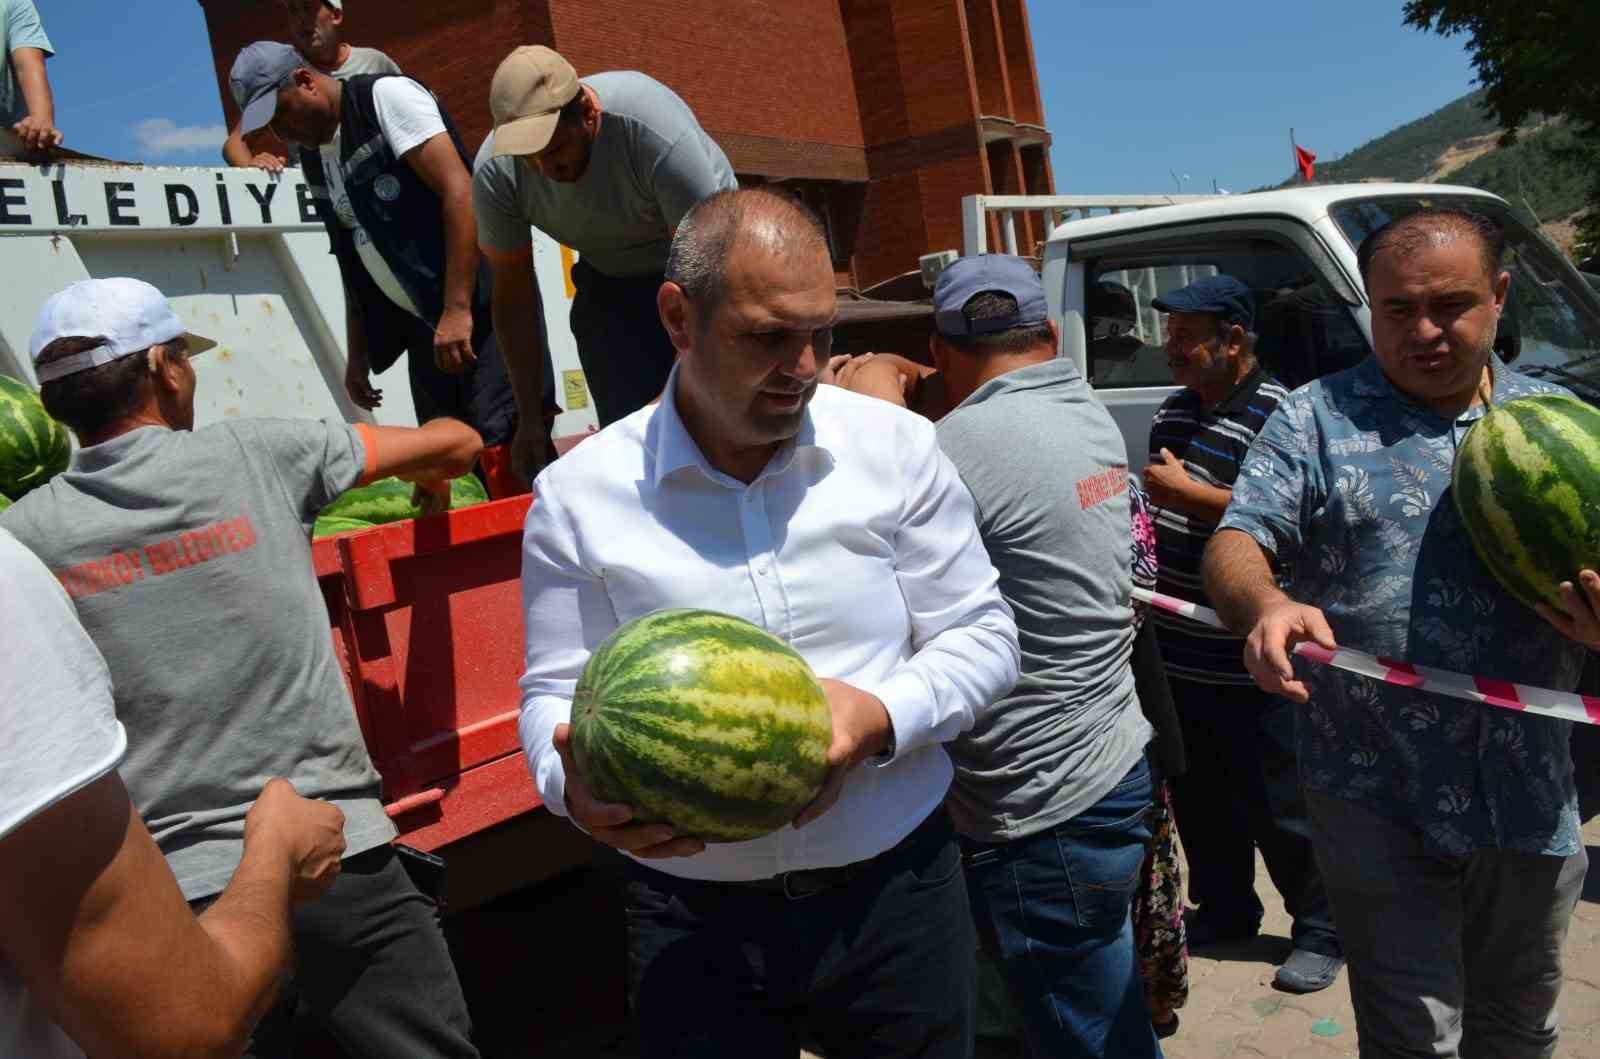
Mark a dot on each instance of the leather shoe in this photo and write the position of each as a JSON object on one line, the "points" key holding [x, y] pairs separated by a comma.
{"points": [[1307, 972]]}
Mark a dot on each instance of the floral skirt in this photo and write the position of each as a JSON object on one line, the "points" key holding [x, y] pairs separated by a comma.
{"points": [[1158, 934]]}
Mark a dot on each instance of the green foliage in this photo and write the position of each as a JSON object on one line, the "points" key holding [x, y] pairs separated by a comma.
{"points": [[1533, 58], [1543, 174], [1410, 152]]}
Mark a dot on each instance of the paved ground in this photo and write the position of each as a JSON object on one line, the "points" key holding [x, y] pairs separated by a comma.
{"points": [[1233, 1010]]}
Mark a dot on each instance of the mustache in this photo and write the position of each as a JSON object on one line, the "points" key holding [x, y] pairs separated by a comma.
{"points": [[791, 390]]}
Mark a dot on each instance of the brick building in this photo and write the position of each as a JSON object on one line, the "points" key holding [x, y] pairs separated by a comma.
{"points": [[881, 113]]}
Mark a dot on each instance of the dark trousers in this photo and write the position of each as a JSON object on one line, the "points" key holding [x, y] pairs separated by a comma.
{"points": [[1052, 911], [1242, 791], [480, 397], [624, 348], [879, 966], [370, 966]]}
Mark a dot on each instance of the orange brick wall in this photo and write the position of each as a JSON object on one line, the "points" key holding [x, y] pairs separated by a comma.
{"points": [[885, 91]]}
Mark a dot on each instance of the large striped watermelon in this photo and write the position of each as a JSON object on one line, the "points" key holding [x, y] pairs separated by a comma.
{"points": [[389, 500], [33, 447], [330, 525], [1526, 483], [704, 721]]}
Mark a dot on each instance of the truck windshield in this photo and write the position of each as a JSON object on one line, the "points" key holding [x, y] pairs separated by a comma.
{"points": [[1551, 327]]}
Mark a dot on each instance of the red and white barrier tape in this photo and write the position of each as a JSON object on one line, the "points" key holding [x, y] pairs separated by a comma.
{"points": [[1585, 709]]}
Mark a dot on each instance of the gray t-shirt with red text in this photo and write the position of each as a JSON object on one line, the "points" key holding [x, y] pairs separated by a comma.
{"points": [[188, 557]]}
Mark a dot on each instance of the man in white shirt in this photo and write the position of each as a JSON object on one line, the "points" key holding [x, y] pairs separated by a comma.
{"points": [[392, 184], [98, 951], [316, 28], [834, 522]]}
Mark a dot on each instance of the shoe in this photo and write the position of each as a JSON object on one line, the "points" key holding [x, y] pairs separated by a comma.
{"points": [[1307, 972], [1202, 932]]}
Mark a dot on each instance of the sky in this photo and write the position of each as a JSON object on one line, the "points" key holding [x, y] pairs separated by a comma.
{"points": [[1134, 90]]}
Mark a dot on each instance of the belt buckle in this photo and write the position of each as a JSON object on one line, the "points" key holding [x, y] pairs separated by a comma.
{"points": [[788, 892]]}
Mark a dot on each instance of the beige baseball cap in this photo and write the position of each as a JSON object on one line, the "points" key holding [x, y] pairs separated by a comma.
{"points": [[529, 89]]}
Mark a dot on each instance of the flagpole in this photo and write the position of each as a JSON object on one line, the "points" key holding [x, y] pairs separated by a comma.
{"points": [[1298, 178]]}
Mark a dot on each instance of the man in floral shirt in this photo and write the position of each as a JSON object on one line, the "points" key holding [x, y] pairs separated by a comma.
{"points": [[1447, 832]]}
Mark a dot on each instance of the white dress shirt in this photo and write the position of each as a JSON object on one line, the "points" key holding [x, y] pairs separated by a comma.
{"points": [[856, 545]]}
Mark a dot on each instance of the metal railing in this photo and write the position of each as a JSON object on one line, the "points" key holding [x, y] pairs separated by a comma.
{"points": [[1052, 209]]}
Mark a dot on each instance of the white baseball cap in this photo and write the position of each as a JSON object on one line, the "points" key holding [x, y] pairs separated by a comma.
{"points": [[129, 314]]}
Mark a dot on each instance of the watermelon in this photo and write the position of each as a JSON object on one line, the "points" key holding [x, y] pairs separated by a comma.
{"points": [[329, 525], [1526, 484], [33, 447], [389, 500], [703, 721]]}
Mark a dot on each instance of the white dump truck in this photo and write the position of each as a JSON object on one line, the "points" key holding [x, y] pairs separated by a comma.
{"points": [[245, 261]]}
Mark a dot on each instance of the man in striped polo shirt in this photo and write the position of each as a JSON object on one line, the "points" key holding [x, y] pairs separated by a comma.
{"points": [[1242, 789]]}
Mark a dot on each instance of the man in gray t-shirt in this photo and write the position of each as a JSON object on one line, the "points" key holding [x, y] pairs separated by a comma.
{"points": [[27, 106], [1051, 784], [187, 553], [316, 28], [607, 166]]}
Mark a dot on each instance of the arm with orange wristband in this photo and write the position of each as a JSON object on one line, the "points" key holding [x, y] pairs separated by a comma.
{"points": [[427, 456]]}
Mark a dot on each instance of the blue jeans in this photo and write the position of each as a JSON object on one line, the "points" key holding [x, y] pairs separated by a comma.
{"points": [[1052, 913]]}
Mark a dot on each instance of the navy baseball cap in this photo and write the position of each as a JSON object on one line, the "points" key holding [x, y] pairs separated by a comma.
{"points": [[257, 74], [1221, 296], [984, 274]]}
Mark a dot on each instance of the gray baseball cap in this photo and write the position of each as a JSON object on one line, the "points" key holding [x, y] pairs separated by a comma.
{"points": [[257, 74], [985, 273]]}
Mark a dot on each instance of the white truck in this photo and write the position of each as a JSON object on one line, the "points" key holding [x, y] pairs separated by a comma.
{"points": [[1296, 249], [245, 261]]}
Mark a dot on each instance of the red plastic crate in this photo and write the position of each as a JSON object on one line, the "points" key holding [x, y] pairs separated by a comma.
{"points": [[426, 618]]}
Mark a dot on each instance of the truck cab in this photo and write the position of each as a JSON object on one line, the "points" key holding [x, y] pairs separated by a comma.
{"points": [[1296, 249]]}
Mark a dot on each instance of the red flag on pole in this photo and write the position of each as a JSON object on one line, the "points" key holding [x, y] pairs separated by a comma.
{"points": [[1306, 162]]}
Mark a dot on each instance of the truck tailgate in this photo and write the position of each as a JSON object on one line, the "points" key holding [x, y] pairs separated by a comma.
{"points": [[427, 624]]}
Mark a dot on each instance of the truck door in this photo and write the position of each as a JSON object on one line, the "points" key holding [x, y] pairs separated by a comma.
{"points": [[1305, 326]]}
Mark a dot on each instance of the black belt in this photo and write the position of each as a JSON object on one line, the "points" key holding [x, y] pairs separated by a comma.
{"points": [[808, 882]]}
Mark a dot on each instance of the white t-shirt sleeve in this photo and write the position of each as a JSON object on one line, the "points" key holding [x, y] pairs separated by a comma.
{"points": [[60, 726], [407, 113]]}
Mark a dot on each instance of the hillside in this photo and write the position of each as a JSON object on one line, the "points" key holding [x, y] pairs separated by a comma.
{"points": [[1456, 144]]}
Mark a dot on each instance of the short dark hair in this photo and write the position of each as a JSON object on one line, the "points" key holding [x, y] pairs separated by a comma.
{"points": [[572, 110], [993, 305], [88, 401], [706, 236], [1408, 234]]}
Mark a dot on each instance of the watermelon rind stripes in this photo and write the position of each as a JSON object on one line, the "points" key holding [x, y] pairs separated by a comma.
{"points": [[704, 721], [1526, 484], [33, 447], [329, 525], [389, 500]]}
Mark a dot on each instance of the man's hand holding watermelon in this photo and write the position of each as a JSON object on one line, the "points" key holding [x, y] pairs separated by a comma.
{"points": [[609, 822], [861, 731], [1580, 601]]}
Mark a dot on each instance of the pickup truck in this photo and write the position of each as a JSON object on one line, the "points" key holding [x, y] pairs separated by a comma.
{"points": [[1296, 249]]}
